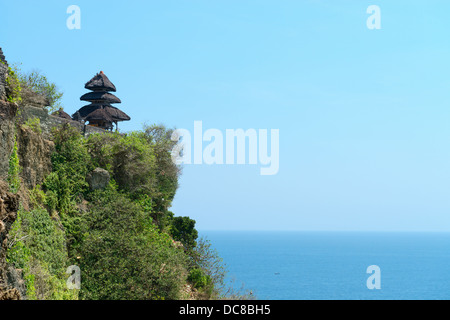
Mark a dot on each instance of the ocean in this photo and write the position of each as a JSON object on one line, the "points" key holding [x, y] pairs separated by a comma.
{"points": [[333, 265]]}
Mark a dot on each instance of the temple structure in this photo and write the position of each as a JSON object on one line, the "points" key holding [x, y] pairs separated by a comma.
{"points": [[61, 114], [100, 113]]}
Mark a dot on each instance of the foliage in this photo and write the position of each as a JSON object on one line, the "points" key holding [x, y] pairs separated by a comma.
{"points": [[37, 197], [71, 163], [166, 172], [13, 86], [123, 256], [38, 247], [207, 259], [14, 170], [65, 186], [140, 164], [183, 229], [122, 237], [34, 124], [38, 83], [199, 278]]}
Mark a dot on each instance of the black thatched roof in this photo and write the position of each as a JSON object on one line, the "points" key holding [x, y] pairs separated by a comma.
{"points": [[99, 114], [100, 96], [100, 82], [62, 114], [118, 115], [115, 113]]}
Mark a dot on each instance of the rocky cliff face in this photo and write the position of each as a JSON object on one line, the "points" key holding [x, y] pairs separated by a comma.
{"points": [[9, 205], [8, 113], [34, 156], [3, 70], [35, 160]]}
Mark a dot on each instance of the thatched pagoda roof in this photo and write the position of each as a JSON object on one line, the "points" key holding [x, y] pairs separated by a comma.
{"points": [[99, 114], [62, 114], [99, 96], [115, 113], [100, 82]]}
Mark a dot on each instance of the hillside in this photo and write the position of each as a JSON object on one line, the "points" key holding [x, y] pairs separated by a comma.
{"points": [[72, 196]]}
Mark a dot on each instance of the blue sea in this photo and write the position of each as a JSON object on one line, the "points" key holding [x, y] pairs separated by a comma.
{"points": [[333, 265]]}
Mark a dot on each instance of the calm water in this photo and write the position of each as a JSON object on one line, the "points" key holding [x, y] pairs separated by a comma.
{"points": [[328, 265]]}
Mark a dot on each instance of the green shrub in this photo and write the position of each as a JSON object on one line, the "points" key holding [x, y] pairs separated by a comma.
{"points": [[141, 165], [14, 170], [37, 197], [38, 83], [34, 124], [71, 163], [183, 229], [198, 278], [38, 247], [13, 86], [123, 255]]}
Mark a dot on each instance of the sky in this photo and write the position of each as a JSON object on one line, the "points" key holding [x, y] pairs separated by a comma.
{"points": [[363, 114]]}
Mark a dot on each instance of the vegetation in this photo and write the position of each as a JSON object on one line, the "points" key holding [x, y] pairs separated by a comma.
{"points": [[33, 124], [38, 248], [13, 85], [125, 240], [14, 170], [38, 83], [183, 230]]}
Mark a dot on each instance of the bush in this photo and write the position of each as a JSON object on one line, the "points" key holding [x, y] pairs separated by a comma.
{"points": [[123, 256], [71, 163], [38, 83], [38, 247], [141, 165], [34, 124], [14, 170], [183, 229], [13, 86], [198, 278]]}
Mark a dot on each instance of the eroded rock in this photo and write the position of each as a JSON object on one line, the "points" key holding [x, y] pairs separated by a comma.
{"points": [[98, 179]]}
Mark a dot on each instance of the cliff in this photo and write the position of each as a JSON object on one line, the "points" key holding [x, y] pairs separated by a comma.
{"points": [[9, 205], [77, 196]]}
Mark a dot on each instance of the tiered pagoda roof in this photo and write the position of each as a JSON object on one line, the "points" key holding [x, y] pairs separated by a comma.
{"points": [[100, 112]]}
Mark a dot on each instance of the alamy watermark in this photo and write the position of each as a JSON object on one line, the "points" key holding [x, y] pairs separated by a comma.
{"points": [[74, 20], [374, 20], [74, 280], [374, 281], [222, 149]]}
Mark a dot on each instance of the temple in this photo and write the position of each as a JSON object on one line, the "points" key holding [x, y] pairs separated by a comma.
{"points": [[100, 113]]}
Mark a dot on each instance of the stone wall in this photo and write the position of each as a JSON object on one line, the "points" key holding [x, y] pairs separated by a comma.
{"points": [[48, 121]]}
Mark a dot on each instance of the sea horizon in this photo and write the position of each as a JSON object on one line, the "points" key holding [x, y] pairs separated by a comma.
{"points": [[333, 265]]}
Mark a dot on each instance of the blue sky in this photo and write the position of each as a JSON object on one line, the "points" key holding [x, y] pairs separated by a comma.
{"points": [[363, 114]]}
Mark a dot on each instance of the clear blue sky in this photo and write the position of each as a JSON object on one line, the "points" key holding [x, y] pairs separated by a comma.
{"points": [[364, 115]]}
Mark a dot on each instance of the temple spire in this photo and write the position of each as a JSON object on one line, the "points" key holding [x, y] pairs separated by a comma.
{"points": [[100, 112]]}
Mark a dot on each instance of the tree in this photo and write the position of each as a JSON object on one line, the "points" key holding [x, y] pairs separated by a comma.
{"points": [[183, 230], [123, 255], [38, 83]]}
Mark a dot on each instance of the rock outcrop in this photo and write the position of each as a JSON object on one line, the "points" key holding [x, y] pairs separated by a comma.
{"points": [[98, 179], [34, 156], [8, 113], [3, 72], [9, 205]]}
